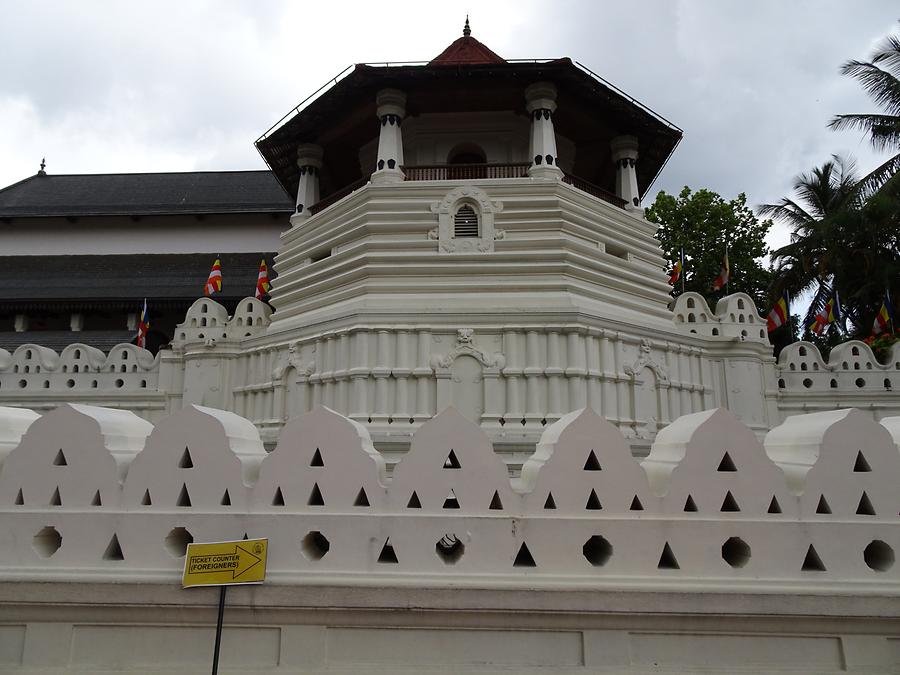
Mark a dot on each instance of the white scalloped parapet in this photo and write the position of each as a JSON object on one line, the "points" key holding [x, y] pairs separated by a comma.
{"points": [[851, 368], [815, 511], [735, 317], [13, 423], [207, 321]]}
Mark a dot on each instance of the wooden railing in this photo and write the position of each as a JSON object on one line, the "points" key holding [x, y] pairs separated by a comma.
{"points": [[465, 171], [596, 190], [337, 196]]}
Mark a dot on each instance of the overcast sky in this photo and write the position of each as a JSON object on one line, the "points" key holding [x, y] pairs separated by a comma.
{"points": [[179, 86]]}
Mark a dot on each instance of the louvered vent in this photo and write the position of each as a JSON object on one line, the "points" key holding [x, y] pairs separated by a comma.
{"points": [[465, 224]]}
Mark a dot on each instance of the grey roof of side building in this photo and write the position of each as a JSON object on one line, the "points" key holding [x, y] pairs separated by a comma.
{"points": [[132, 194], [110, 278]]}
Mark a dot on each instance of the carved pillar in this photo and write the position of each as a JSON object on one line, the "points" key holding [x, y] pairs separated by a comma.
{"points": [[608, 362], [309, 161], [359, 376], [391, 111], [575, 371], [382, 372], [401, 372], [534, 376], [624, 155], [556, 404], [540, 99], [423, 374], [594, 374], [513, 374]]}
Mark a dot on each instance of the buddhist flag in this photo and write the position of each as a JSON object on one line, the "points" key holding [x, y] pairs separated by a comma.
{"points": [[214, 282], [677, 270], [262, 280], [724, 275], [143, 327], [829, 314], [884, 320], [780, 313]]}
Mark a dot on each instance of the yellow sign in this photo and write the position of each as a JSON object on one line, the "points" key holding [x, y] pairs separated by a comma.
{"points": [[225, 563]]}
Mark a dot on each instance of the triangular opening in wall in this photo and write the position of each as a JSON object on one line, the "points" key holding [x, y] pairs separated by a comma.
{"points": [[861, 465], [593, 502], [414, 502], [727, 464], [667, 559], [315, 497], [636, 504], [145, 500], [865, 507], [689, 505], [822, 506], [812, 562], [729, 504], [186, 462], [451, 462], [524, 557], [451, 502], [317, 459], [113, 550], [592, 463], [550, 503], [245, 537], [774, 506], [20, 498], [278, 497], [97, 501], [60, 459], [387, 554], [55, 499], [226, 499], [496, 502], [184, 499], [362, 499]]}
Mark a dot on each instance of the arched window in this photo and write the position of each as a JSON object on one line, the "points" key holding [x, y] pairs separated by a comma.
{"points": [[466, 153], [465, 222]]}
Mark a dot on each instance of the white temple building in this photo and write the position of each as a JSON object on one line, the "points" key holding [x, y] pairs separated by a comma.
{"points": [[478, 432]]}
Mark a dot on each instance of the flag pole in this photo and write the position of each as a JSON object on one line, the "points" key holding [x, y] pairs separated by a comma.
{"points": [[683, 271], [727, 271]]}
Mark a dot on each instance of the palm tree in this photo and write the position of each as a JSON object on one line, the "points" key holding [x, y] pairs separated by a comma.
{"points": [[880, 77]]}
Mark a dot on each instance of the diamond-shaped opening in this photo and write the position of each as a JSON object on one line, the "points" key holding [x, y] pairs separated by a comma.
{"points": [[524, 557], [60, 459], [226, 498], [414, 502], [184, 498], [315, 545], [727, 464], [55, 499], [186, 461], [597, 550], [177, 541], [736, 552], [449, 549], [47, 541], [689, 505], [636, 504], [812, 562], [451, 502], [20, 498], [96, 499], [362, 499], [592, 463], [879, 556], [496, 502], [774, 506], [593, 502], [822, 506], [667, 559], [861, 465], [729, 504], [113, 550], [315, 496], [317, 459], [451, 462], [387, 554], [145, 500], [550, 503], [865, 508]]}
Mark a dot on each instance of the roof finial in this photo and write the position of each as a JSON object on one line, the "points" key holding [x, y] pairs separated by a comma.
{"points": [[43, 166], [466, 30]]}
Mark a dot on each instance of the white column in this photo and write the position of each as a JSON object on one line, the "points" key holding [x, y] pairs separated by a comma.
{"points": [[20, 323], [309, 162], [540, 99], [624, 155], [391, 111]]}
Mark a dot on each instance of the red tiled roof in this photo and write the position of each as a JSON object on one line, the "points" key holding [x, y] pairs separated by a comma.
{"points": [[466, 50]]}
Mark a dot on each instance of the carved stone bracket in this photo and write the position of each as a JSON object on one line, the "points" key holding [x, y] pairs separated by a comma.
{"points": [[465, 346], [294, 360], [483, 206], [646, 360]]}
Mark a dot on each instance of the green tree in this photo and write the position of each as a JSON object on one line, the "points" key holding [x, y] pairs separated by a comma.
{"points": [[703, 223], [880, 77]]}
